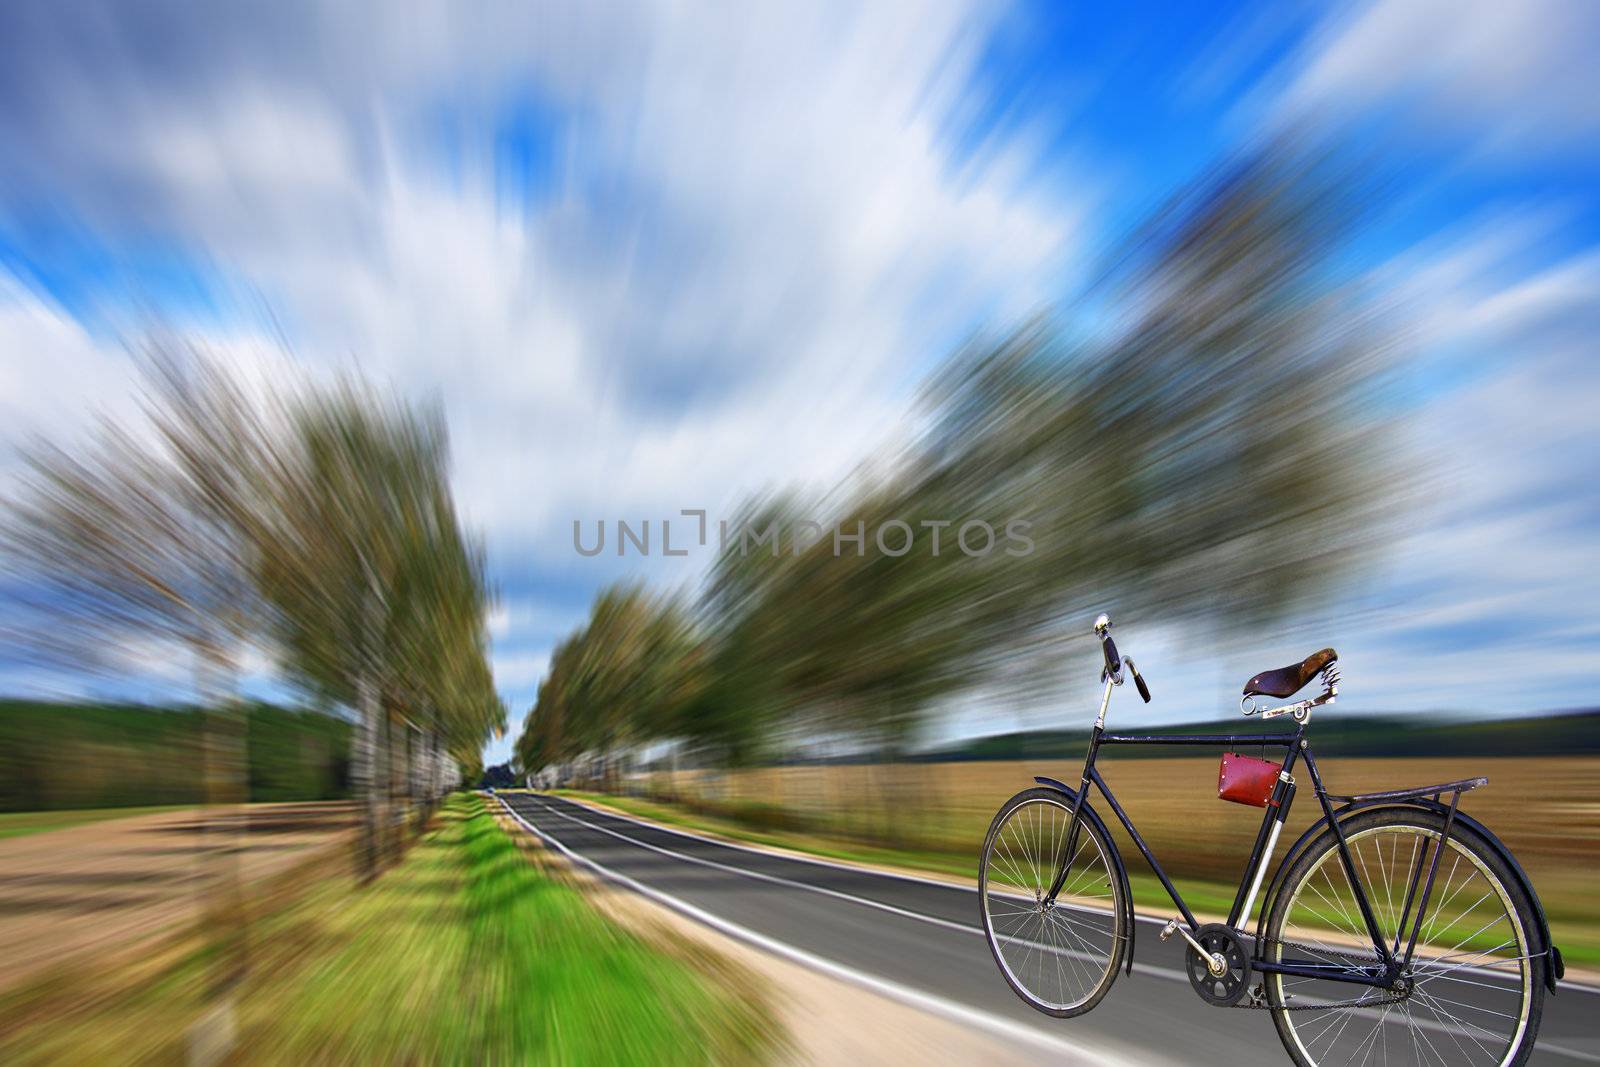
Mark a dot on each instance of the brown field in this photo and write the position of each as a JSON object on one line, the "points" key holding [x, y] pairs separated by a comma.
{"points": [[1546, 809], [104, 891]]}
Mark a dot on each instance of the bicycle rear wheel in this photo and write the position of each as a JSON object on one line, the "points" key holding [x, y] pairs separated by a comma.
{"points": [[1060, 957], [1476, 993]]}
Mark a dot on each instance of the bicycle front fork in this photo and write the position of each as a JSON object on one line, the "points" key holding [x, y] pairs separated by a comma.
{"points": [[1083, 792]]}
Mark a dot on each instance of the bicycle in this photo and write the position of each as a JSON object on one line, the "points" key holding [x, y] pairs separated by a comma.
{"points": [[1346, 953]]}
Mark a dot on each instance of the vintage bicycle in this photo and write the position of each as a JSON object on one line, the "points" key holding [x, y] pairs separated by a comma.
{"points": [[1397, 928]]}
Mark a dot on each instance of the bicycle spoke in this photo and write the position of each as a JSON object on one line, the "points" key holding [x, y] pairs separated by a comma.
{"points": [[1039, 842], [1456, 1032], [1016, 876], [1371, 1040], [1427, 934], [1417, 1031], [1472, 955], [1487, 893], [1388, 893], [1076, 959]]}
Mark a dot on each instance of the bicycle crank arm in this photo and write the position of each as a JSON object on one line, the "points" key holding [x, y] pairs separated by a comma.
{"points": [[1213, 961]]}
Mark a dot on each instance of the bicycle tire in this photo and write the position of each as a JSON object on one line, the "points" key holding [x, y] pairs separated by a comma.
{"points": [[1365, 833], [1102, 873]]}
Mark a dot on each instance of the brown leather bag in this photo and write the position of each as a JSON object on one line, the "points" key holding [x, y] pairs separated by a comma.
{"points": [[1246, 779]]}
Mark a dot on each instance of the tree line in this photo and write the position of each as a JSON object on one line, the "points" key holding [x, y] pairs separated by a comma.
{"points": [[57, 755], [1199, 439], [308, 526]]}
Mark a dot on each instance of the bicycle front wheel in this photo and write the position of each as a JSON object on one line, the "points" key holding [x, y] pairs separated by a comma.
{"points": [[1474, 992], [1059, 956]]}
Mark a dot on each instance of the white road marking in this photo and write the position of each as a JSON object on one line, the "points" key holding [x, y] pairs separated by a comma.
{"points": [[773, 878], [837, 894], [1001, 1027], [798, 857], [1160, 972]]}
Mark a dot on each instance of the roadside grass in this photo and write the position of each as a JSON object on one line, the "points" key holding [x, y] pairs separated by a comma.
{"points": [[464, 953], [18, 823], [1578, 938]]}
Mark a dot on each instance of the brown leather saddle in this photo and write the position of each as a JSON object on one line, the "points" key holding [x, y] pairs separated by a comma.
{"points": [[1287, 681]]}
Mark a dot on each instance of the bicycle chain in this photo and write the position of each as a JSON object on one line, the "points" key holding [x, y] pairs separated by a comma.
{"points": [[1250, 1003]]}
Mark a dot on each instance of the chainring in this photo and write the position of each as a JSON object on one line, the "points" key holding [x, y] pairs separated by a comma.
{"points": [[1225, 989]]}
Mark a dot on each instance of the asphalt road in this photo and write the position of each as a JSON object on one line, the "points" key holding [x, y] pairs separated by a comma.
{"points": [[916, 938]]}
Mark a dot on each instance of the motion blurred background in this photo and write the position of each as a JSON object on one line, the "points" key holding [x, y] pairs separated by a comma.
{"points": [[336, 337]]}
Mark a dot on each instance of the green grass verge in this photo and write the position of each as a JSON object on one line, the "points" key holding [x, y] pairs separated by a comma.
{"points": [[1579, 940], [466, 953], [17, 823]]}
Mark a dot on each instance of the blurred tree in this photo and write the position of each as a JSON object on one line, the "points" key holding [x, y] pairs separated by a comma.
{"points": [[1216, 452], [318, 523], [753, 670], [377, 596], [625, 678], [1212, 452], [440, 689], [146, 536]]}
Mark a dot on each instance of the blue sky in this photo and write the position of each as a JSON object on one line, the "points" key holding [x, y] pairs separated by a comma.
{"points": [[654, 259]]}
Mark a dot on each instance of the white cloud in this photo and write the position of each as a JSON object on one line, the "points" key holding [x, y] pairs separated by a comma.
{"points": [[54, 370], [518, 620], [1488, 606], [1510, 75], [756, 232], [518, 670], [1560, 297]]}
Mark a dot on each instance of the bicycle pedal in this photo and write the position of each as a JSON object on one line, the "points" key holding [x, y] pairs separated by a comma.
{"points": [[1168, 930]]}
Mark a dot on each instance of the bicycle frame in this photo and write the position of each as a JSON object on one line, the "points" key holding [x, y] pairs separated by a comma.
{"points": [[1295, 745]]}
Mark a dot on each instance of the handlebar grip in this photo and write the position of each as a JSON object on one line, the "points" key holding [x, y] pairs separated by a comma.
{"points": [[1138, 680], [1113, 660]]}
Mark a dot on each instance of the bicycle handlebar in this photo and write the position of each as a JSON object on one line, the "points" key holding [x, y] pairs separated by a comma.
{"points": [[1114, 660], [1138, 680]]}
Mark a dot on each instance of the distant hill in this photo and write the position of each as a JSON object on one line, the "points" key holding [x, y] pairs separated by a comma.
{"points": [[1569, 733]]}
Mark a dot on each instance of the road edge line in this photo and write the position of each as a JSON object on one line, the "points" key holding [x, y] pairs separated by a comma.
{"points": [[762, 876], [916, 998], [801, 857]]}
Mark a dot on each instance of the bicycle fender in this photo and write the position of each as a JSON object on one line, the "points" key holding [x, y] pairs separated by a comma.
{"points": [[1130, 920], [1541, 924]]}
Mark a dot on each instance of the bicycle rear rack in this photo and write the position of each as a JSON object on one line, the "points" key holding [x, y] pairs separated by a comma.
{"points": [[1416, 793]]}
